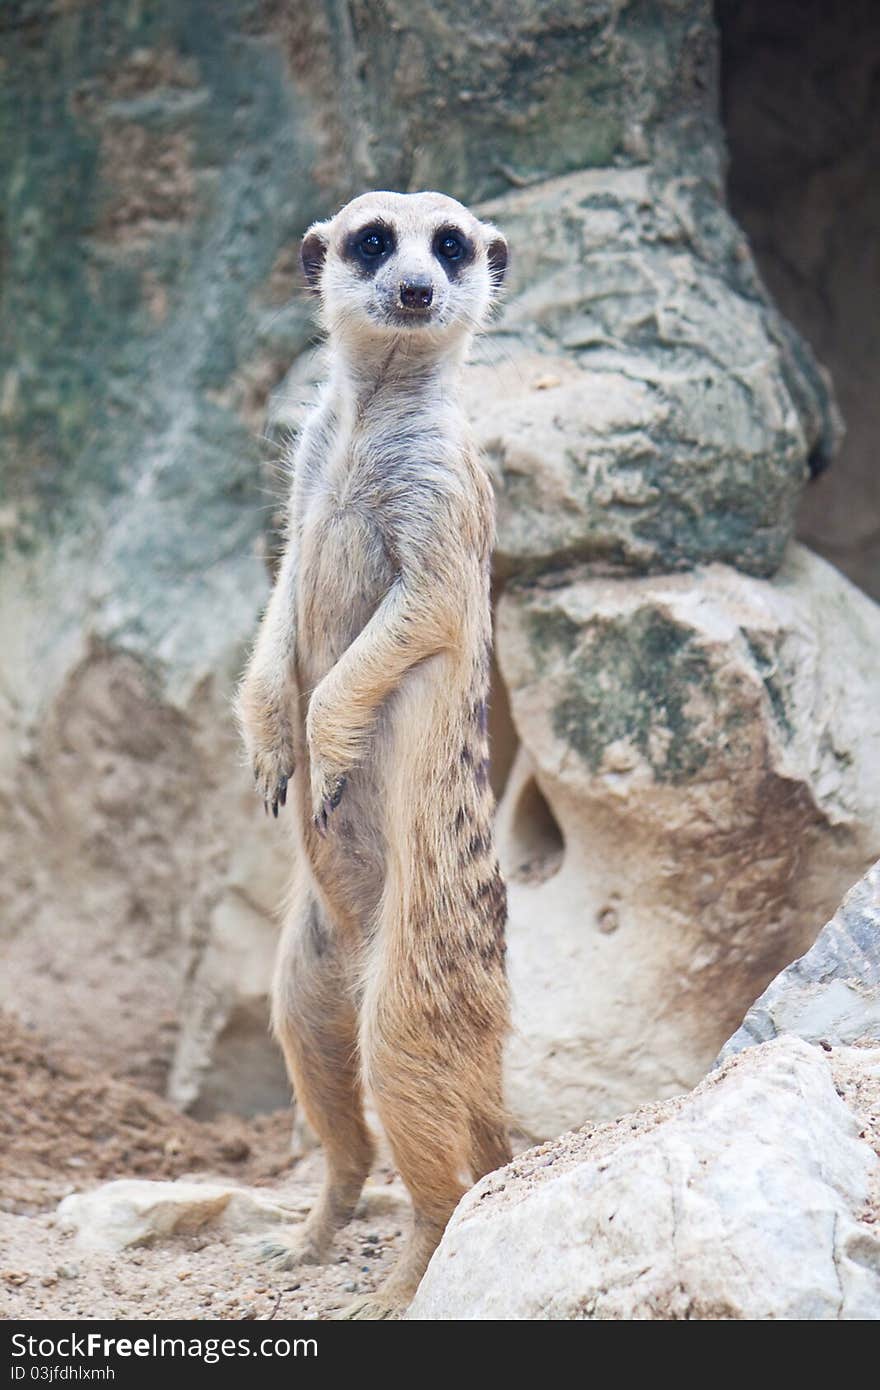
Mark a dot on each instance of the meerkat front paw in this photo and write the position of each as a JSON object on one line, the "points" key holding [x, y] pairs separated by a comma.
{"points": [[328, 778], [272, 785], [327, 789], [269, 743], [273, 765]]}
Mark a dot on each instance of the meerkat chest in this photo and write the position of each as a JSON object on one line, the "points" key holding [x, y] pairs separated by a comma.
{"points": [[344, 566]]}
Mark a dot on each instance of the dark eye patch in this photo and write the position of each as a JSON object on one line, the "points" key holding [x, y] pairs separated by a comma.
{"points": [[369, 247], [453, 250]]}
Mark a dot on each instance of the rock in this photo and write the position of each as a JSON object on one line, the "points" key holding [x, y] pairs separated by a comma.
{"points": [[134, 1212], [142, 881], [643, 405], [695, 789], [224, 1049], [162, 170], [832, 994], [756, 1197]]}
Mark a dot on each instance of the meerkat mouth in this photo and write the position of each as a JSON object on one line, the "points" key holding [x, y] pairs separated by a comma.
{"points": [[410, 320], [413, 318]]}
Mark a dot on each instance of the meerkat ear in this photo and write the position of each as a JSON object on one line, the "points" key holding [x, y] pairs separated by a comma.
{"points": [[313, 251], [497, 255]]}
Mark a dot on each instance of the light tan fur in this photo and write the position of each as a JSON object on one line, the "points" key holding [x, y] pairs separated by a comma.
{"points": [[369, 678]]}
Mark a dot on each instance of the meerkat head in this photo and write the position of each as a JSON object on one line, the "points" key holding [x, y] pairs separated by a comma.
{"points": [[404, 263]]}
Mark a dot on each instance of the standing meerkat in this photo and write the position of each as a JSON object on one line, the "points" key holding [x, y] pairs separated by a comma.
{"points": [[369, 680]]}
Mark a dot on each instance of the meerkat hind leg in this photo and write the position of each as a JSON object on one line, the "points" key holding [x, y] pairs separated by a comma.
{"points": [[427, 1128], [317, 1026], [435, 1186], [491, 1145]]}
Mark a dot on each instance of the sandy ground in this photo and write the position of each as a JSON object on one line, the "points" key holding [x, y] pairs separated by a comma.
{"points": [[63, 1130]]}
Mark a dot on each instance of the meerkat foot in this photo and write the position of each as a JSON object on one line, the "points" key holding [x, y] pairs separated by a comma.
{"points": [[292, 1250], [376, 1306], [398, 1292]]}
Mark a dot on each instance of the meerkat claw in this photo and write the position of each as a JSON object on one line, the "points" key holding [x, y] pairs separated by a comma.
{"points": [[273, 796], [321, 818]]}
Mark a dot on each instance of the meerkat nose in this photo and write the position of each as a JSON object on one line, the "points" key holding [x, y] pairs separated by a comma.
{"points": [[416, 294]]}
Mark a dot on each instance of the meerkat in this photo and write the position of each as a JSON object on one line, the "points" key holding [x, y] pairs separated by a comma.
{"points": [[364, 702]]}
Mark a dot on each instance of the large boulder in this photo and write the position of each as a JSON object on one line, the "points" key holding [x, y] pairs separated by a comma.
{"points": [[831, 994], [643, 405], [755, 1198], [695, 789]]}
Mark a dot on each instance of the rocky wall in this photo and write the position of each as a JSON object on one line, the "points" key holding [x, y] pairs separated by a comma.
{"points": [[643, 407]]}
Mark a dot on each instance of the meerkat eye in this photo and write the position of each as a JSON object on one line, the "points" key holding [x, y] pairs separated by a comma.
{"points": [[450, 246], [373, 242]]}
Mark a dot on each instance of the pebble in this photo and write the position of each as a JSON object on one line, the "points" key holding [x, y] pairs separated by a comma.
{"points": [[236, 1150]]}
